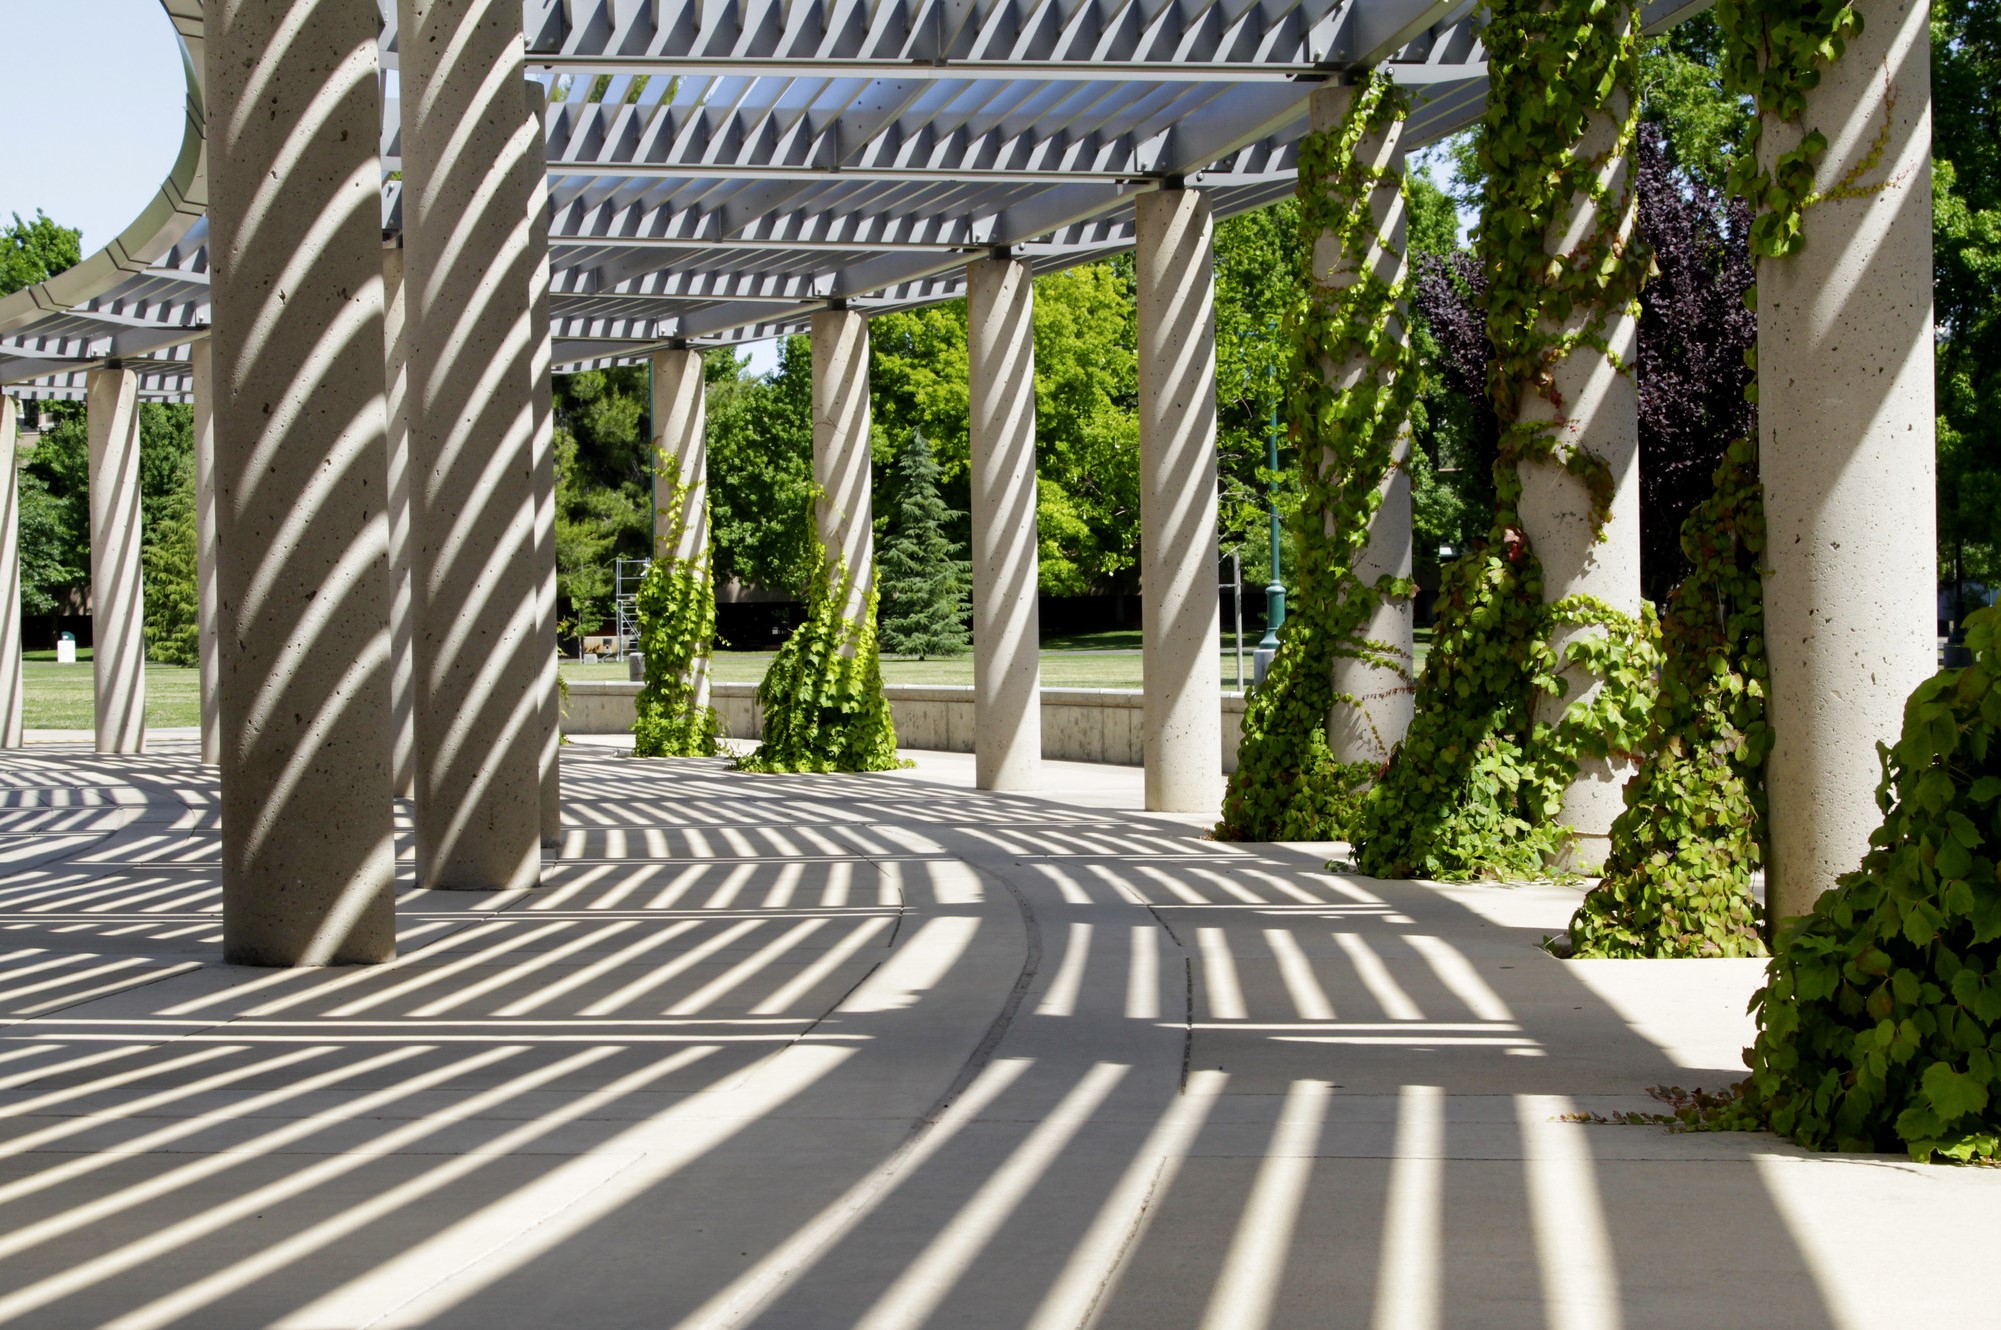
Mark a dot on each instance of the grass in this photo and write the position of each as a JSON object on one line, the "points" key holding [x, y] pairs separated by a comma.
{"points": [[61, 697]]}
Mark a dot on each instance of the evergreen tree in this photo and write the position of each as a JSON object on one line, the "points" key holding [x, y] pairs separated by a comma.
{"points": [[924, 580]]}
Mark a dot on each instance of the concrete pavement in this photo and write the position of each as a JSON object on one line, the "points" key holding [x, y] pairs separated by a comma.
{"points": [[885, 1051]]}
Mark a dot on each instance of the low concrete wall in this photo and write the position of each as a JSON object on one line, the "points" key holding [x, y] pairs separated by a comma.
{"points": [[1078, 724]]}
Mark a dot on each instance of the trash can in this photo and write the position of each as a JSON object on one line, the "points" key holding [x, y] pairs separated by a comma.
{"points": [[66, 649], [635, 666]]}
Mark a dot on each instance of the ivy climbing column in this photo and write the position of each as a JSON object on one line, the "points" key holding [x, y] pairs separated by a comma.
{"points": [[1846, 422], [841, 512], [1570, 386], [117, 596], [1182, 710], [822, 700], [11, 704], [1007, 670], [1371, 676], [681, 482]]}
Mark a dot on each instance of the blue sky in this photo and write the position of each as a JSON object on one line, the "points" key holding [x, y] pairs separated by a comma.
{"points": [[93, 105]]}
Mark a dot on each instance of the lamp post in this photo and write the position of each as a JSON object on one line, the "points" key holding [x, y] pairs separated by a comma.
{"points": [[1275, 593]]}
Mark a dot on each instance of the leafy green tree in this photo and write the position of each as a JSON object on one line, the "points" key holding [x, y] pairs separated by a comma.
{"points": [[761, 473], [604, 475], [1966, 282], [922, 578], [55, 511], [1087, 429], [34, 251], [1681, 92], [172, 587]]}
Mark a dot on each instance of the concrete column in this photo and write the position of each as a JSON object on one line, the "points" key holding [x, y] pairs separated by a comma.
{"points": [[841, 515], [402, 608], [1007, 657], [208, 621], [1368, 733], [681, 460], [117, 590], [1182, 714], [1598, 414], [11, 698], [543, 389], [1846, 449], [301, 455], [469, 171]]}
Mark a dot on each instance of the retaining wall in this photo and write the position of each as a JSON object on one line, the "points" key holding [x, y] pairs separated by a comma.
{"points": [[1078, 724]]}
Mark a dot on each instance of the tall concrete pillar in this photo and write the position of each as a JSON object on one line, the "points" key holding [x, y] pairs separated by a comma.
{"points": [[1846, 450], [1007, 659], [1595, 402], [469, 172], [842, 513], [681, 470], [117, 583], [402, 607], [11, 699], [1367, 733], [208, 612], [1182, 713], [301, 455], [542, 356]]}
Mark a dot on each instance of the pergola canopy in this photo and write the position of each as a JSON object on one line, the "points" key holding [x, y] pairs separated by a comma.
{"points": [[721, 169]]}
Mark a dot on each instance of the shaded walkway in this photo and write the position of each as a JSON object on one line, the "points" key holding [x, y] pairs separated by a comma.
{"points": [[882, 1051]]}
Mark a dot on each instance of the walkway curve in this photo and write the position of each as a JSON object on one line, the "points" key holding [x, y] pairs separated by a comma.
{"points": [[873, 1051]]}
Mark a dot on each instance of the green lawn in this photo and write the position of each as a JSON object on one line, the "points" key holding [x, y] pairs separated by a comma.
{"points": [[58, 697]]}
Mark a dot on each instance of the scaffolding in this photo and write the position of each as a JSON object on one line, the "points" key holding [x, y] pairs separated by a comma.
{"points": [[626, 575]]}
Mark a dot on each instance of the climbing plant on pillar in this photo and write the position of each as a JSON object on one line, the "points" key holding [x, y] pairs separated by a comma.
{"points": [[1879, 1025], [677, 635], [1678, 879], [1477, 787], [822, 698], [1288, 784]]}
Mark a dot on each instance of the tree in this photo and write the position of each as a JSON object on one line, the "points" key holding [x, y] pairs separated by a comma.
{"points": [[32, 252], [1703, 128], [1695, 330], [1087, 429], [761, 474], [1966, 281], [604, 475], [1695, 335], [923, 579], [172, 625]]}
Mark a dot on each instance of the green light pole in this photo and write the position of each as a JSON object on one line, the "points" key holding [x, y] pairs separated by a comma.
{"points": [[1275, 593]]}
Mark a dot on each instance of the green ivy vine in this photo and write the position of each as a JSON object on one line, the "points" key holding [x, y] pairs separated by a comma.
{"points": [[1880, 1018], [1879, 1023], [1677, 881], [1774, 51], [1289, 785], [822, 698], [1477, 786], [677, 635]]}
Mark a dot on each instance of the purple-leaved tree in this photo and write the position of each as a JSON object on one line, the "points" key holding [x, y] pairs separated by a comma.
{"points": [[1694, 332]]}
